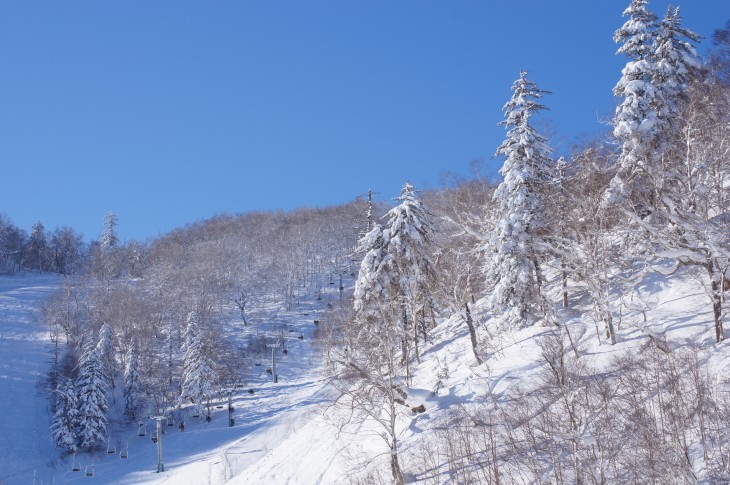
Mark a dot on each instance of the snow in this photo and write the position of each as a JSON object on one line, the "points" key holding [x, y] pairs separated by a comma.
{"points": [[204, 452], [284, 432], [24, 350]]}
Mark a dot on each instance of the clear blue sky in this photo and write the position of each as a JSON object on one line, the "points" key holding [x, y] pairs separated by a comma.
{"points": [[168, 112]]}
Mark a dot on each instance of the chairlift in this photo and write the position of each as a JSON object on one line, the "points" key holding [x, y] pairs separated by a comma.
{"points": [[124, 454], [154, 437], [219, 406], [89, 472], [142, 431], [75, 467], [170, 422], [110, 449]]}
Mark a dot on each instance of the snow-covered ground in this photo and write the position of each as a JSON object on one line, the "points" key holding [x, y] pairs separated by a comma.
{"points": [[24, 353], [204, 453], [283, 432]]}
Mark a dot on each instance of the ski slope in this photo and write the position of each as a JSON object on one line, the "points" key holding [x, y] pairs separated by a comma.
{"points": [[204, 453], [24, 353], [285, 433]]}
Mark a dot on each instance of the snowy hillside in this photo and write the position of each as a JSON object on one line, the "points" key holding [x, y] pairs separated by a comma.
{"points": [[287, 433], [563, 325], [203, 453]]}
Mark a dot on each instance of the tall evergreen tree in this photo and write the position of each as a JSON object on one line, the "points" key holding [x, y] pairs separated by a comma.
{"points": [[676, 63], [109, 238], [410, 229], [373, 288], [63, 423], [91, 390], [516, 246], [107, 262], [198, 368], [636, 122]]}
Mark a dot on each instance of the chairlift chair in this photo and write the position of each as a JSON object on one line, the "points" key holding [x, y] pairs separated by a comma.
{"points": [[142, 431], [124, 454], [110, 449], [89, 471], [75, 467]]}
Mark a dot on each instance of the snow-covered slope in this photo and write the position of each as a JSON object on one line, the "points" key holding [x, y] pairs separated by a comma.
{"points": [[24, 353], [449, 383], [284, 433]]}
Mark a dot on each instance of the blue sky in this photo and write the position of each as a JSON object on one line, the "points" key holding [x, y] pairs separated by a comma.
{"points": [[168, 112]]}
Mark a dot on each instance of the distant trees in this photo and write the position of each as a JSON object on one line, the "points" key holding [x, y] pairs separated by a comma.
{"points": [[68, 251], [13, 246], [61, 250], [107, 259], [38, 251]]}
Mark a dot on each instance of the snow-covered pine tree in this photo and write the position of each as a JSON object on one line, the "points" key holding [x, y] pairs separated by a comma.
{"points": [[63, 430], [676, 63], [106, 257], [660, 187], [636, 119], [514, 251], [91, 391], [410, 229], [198, 368], [132, 385], [109, 238], [372, 289]]}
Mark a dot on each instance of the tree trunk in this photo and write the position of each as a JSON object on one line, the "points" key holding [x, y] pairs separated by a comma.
{"points": [[397, 473], [565, 286], [414, 324], [716, 297], [610, 331], [472, 334]]}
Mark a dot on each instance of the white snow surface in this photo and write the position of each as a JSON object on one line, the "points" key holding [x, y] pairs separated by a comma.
{"points": [[254, 451], [283, 432]]}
